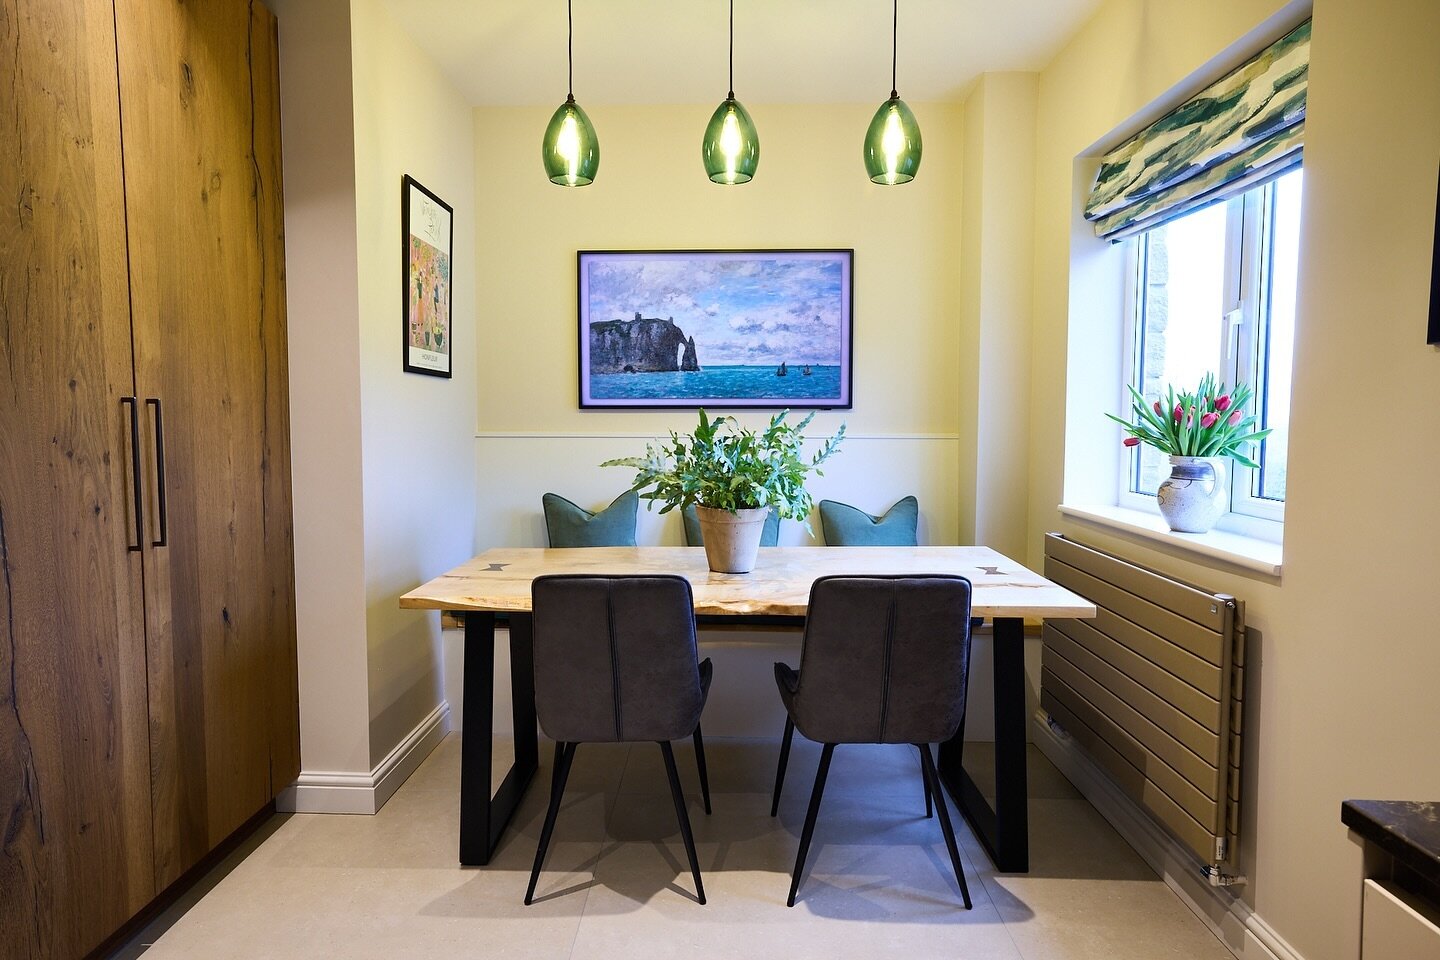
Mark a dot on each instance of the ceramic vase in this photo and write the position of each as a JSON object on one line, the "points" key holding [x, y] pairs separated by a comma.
{"points": [[732, 539], [1193, 497]]}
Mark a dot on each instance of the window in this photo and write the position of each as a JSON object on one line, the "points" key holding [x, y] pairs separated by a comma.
{"points": [[1214, 290]]}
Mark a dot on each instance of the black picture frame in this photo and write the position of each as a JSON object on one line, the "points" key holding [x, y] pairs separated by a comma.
{"points": [[427, 343], [772, 328], [1434, 333]]}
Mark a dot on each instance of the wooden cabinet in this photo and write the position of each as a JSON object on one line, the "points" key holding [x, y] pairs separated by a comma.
{"points": [[147, 640]]}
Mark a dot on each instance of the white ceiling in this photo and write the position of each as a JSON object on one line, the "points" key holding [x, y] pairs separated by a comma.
{"points": [[786, 51]]}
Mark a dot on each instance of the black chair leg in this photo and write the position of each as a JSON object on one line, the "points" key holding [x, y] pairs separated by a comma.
{"points": [[929, 804], [784, 759], [564, 755], [683, 817], [933, 778], [810, 816], [704, 774]]}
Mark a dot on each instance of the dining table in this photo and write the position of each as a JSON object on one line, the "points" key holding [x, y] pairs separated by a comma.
{"points": [[495, 587]]}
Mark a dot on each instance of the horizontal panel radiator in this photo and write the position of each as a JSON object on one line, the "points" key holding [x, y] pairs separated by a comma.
{"points": [[1151, 688]]}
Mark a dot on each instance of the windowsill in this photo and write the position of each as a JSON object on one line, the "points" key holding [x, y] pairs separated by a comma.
{"points": [[1261, 556]]}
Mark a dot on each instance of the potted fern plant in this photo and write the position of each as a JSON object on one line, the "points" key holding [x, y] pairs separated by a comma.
{"points": [[734, 477], [1201, 431]]}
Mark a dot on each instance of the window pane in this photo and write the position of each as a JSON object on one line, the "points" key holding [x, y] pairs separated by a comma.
{"points": [[1182, 299], [1278, 342]]}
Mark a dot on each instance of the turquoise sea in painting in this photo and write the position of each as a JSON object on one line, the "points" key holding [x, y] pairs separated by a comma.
{"points": [[721, 383]]}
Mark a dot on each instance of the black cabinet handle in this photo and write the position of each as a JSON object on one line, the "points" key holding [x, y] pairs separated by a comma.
{"points": [[159, 468], [135, 474]]}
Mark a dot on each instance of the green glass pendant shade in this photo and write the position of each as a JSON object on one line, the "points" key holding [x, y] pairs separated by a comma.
{"points": [[731, 149], [570, 150], [892, 144]]}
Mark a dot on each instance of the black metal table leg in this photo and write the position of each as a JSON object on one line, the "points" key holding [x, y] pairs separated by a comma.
{"points": [[482, 818], [1004, 829]]}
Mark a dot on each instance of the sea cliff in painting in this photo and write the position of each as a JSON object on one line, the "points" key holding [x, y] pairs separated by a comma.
{"points": [[642, 345]]}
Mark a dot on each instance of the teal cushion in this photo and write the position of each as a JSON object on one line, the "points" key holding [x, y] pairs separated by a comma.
{"points": [[572, 526], [769, 537], [845, 526]]}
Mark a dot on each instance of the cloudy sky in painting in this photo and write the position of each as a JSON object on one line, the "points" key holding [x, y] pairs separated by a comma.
{"points": [[749, 311]]}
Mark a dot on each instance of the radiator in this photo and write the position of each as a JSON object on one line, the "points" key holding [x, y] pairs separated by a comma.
{"points": [[1151, 689]]}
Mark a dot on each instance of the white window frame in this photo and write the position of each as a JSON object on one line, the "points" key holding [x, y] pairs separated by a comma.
{"points": [[1248, 245]]}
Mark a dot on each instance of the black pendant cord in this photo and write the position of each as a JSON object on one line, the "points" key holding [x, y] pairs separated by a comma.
{"points": [[731, 95], [894, 49], [570, 51]]}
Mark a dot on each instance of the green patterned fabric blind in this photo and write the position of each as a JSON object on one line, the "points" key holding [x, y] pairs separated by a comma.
{"points": [[1240, 131]]}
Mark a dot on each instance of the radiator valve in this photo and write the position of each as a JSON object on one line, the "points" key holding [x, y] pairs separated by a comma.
{"points": [[1218, 878]]}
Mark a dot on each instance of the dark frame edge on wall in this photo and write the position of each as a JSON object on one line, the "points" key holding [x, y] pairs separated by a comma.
{"points": [[848, 372], [406, 183], [1434, 335]]}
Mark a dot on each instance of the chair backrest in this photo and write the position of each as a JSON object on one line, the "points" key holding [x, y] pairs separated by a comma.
{"points": [[847, 526], [885, 659], [569, 525], [615, 658], [769, 536]]}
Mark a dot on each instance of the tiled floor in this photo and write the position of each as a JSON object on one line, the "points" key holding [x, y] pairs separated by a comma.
{"points": [[616, 884]]}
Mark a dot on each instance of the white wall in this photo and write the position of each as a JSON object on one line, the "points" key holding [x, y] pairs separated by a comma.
{"points": [[322, 303], [1340, 690], [419, 462], [384, 469]]}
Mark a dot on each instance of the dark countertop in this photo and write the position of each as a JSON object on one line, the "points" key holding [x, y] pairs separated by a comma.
{"points": [[1409, 830]]}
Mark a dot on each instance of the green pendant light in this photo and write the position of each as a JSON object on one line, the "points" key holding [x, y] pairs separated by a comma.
{"points": [[731, 149], [570, 150], [892, 143]]}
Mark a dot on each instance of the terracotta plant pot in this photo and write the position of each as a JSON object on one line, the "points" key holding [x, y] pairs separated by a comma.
{"points": [[732, 540]]}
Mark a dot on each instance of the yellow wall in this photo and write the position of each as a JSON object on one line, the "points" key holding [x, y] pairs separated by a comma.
{"points": [[419, 479], [651, 193], [1342, 665]]}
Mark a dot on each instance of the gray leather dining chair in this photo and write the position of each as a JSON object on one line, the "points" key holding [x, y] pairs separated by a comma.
{"points": [[884, 660], [615, 662]]}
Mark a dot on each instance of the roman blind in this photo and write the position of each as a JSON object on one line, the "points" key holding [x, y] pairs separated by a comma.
{"points": [[1241, 130]]}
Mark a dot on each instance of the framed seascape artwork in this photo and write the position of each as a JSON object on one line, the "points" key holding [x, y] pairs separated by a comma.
{"points": [[715, 328], [427, 225]]}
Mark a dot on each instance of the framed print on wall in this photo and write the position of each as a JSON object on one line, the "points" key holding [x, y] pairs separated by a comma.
{"points": [[716, 328], [427, 224]]}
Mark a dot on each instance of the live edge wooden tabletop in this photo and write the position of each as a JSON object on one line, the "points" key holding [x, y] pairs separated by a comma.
{"points": [[499, 579]]}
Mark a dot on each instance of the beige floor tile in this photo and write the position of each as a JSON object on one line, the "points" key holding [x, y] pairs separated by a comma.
{"points": [[1089, 896], [748, 766], [1044, 779], [879, 884], [616, 883]]}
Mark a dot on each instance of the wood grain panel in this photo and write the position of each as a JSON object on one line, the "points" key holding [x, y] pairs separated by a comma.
{"points": [[200, 113], [75, 846]]}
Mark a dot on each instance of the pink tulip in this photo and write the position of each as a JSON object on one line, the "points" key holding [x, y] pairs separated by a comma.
{"points": [[1131, 441], [1158, 411], [1223, 403], [1234, 418], [1209, 420], [1179, 412]]}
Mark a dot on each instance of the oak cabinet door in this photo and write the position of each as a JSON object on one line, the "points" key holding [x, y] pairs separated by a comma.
{"points": [[200, 114], [75, 811]]}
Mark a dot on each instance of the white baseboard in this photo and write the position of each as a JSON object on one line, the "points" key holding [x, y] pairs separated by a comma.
{"points": [[1238, 927], [343, 792]]}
